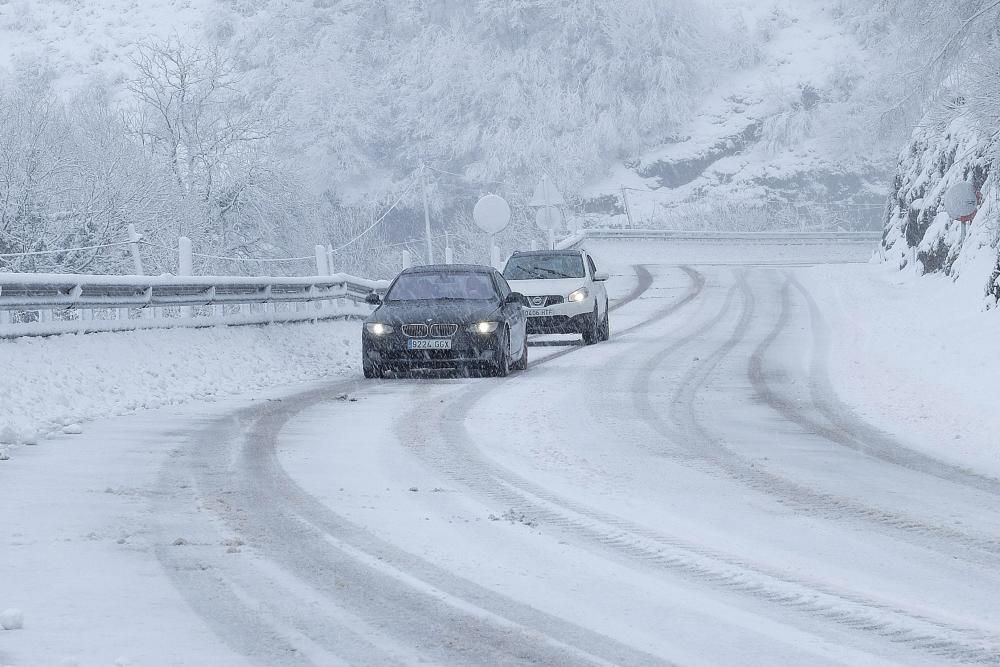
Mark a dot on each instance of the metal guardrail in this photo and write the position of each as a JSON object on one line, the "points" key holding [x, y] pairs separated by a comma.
{"points": [[789, 237], [45, 304]]}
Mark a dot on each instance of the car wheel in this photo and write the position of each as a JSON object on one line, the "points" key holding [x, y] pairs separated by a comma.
{"points": [[605, 329], [372, 372], [522, 363], [501, 368], [591, 333]]}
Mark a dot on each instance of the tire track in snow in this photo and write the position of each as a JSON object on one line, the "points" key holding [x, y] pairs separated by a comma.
{"points": [[434, 615], [943, 539], [457, 457], [263, 619], [699, 447], [851, 431]]}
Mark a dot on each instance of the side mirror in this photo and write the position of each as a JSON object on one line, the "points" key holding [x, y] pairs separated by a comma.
{"points": [[515, 297], [373, 298], [601, 276]]}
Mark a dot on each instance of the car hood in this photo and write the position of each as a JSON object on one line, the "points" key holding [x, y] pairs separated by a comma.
{"points": [[453, 312], [561, 286]]}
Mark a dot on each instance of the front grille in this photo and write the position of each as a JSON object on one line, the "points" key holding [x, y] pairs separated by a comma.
{"points": [[415, 330], [443, 330], [543, 301]]}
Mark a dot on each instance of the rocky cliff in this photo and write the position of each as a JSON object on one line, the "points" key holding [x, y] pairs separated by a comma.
{"points": [[919, 234]]}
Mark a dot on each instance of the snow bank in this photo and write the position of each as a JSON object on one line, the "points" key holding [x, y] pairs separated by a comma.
{"points": [[919, 235], [909, 353], [50, 384]]}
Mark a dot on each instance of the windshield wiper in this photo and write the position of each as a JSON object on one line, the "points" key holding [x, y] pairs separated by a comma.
{"points": [[558, 274]]}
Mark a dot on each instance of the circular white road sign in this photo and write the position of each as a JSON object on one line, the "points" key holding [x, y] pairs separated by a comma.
{"points": [[492, 214], [960, 201]]}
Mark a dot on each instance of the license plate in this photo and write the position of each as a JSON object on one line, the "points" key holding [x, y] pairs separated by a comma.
{"points": [[537, 312], [429, 344]]}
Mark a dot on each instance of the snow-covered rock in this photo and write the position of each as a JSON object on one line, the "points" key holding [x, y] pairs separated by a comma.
{"points": [[918, 233], [12, 619]]}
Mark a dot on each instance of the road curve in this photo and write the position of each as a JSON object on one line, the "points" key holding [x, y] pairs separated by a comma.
{"points": [[705, 476]]}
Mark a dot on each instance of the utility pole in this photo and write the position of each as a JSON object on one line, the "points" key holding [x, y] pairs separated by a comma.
{"points": [[134, 238], [427, 214]]}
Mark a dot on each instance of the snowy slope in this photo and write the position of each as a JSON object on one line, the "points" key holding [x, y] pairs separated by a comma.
{"points": [[783, 129], [77, 40], [50, 383]]}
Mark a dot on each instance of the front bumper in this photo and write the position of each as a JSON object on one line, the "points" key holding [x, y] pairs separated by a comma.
{"points": [[560, 324], [564, 317], [390, 352]]}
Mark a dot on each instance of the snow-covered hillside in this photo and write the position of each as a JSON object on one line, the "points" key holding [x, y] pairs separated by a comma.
{"points": [[745, 102], [77, 40], [787, 128]]}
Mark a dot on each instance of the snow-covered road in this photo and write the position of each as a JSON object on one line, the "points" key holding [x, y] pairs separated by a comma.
{"points": [[694, 491]]}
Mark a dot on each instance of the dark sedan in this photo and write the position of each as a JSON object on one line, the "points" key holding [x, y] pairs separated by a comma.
{"points": [[451, 316]]}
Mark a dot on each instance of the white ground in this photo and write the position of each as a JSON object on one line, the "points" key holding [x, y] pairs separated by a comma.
{"points": [[752, 471]]}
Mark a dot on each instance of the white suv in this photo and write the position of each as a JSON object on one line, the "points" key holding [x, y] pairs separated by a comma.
{"points": [[564, 292]]}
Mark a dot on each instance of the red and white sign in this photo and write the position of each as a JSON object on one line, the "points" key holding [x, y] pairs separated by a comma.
{"points": [[961, 201]]}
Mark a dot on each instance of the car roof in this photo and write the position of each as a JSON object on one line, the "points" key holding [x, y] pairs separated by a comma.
{"points": [[448, 268]]}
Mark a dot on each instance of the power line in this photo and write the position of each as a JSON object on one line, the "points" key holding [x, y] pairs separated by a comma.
{"points": [[34, 253], [466, 178], [228, 259], [381, 218]]}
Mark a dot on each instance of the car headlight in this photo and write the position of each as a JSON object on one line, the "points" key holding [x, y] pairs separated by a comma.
{"points": [[578, 296], [378, 329], [484, 328]]}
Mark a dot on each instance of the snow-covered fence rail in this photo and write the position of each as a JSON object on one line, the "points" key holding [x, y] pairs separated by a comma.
{"points": [[45, 304], [775, 237]]}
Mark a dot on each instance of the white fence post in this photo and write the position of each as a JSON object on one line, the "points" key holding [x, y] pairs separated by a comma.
{"points": [[534, 244]]}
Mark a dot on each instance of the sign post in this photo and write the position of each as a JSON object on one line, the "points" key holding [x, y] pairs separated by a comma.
{"points": [[492, 215], [548, 217]]}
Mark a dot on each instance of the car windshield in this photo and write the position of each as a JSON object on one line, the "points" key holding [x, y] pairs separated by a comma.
{"points": [[533, 267], [444, 285]]}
